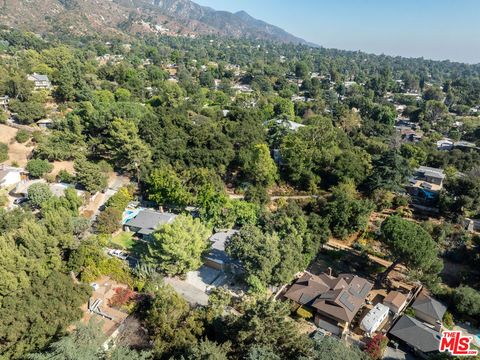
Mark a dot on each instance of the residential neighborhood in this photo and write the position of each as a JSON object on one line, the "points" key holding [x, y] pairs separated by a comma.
{"points": [[180, 182]]}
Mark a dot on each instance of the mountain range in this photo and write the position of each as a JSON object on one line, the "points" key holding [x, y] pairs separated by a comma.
{"points": [[129, 17]]}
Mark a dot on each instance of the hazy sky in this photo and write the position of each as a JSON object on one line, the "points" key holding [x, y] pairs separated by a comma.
{"points": [[434, 29]]}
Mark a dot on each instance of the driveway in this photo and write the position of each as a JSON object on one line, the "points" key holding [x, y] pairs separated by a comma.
{"points": [[397, 354], [190, 293], [197, 284]]}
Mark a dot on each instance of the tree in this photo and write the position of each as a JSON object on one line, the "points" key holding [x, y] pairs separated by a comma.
{"points": [[258, 253], [207, 350], [178, 247], [409, 244], [267, 328], [27, 112], [3, 152], [164, 186], [390, 171], [376, 347], [85, 343], [109, 221], [260, 167], [467, 300], [22, 136], [301, 70], [89, 175], [434, 111], [171, 323], [120, 199], [30, 320], [38, 194], [346, 213], [37, 168], [123, 147], [329, 348]]}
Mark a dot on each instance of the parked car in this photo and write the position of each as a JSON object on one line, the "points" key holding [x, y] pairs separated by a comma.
{"points": [[118, 254], [20, 200]]}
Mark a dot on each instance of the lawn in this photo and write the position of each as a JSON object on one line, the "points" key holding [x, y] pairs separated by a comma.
{"points": [[124, 240]]}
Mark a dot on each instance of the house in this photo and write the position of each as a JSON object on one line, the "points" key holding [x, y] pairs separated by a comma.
{"points": [[290, 125], [335, 300], [445, 144], [41, 81], [45, 123], [10, 176], [146, 221], [58, 189], [423, 340], [395, 301], [465, 145], [217, 258], [429, 310], [374, 319], [425, 185], [4, 101], [471, 225]]}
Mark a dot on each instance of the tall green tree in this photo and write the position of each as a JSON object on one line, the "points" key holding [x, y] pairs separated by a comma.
{"points": [[409, 244], [177, 248]]}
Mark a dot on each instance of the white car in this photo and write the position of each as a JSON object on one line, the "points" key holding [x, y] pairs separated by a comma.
{"points": [[118, 254]]}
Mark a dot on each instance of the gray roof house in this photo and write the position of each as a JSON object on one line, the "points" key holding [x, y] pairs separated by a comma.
{"points": [[147, 221], [217, 258], [415, 334], [428, 309]]}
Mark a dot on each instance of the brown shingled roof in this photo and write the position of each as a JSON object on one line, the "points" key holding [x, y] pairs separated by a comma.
{"points": [[395, 298], [339, 297]]}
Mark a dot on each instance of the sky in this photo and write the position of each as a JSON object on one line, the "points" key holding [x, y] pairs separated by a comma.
{"points": [[433, 29]]}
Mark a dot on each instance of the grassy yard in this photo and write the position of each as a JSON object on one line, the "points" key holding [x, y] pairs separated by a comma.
{"points": [[124, 240]]}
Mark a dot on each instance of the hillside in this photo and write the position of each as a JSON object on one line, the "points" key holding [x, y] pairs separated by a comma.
{"points": [[172, 17]]}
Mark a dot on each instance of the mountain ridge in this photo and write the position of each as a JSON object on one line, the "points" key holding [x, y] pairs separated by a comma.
{"points": [[131, 17]]}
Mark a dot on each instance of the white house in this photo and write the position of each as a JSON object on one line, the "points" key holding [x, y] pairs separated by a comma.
{"points": [[445, 144], [374, 319], [41, 81]]}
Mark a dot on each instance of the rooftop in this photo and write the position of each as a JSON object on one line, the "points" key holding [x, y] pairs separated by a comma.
{"points": [[340, 297], [429, 306], [149, 220], [416, 334], [395, 298], [217, 249]]}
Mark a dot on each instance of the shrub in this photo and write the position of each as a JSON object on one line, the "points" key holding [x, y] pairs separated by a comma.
{"points": [[3, 152], [304, 313], [39, 193], [65, 177], [3, 198], [22, 136], [376, 347], [448, 320], [109, 221], [37, 168], [121, 297], [3, 117], [467, 300]]}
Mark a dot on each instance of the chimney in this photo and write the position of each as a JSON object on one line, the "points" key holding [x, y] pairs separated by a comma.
{"points": [[160, 209], [329, 271], [438, 326]]}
